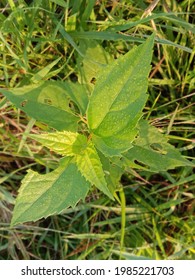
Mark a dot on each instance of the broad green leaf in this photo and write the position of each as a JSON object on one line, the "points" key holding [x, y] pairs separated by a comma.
{"points": [[113, 172], [152, 152], [46, 102], [59, 94], [89, 164], [65, 143], [44, 195], [51, 93], [95, 58], [78, 94], [84, 154], [118, 99]]}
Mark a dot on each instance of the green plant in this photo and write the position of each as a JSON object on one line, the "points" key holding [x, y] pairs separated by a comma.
{"points": [[99, 137], [40, 41]]}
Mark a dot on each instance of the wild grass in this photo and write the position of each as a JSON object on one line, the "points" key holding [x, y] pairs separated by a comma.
{"points": [[41, 40]]}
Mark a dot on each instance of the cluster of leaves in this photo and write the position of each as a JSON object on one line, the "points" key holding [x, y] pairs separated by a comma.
{"points": [[112, 122], [59, 40]]}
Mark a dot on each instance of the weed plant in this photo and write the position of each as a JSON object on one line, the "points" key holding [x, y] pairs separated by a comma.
{"points": [[47, 39]]}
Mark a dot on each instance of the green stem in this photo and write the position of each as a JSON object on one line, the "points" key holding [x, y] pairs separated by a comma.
{"points": [[123, 218], [12, 5]]}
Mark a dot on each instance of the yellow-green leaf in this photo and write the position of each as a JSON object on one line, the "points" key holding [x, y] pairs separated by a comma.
{"points": [[89, 164], [65, 143], [83, 152]]}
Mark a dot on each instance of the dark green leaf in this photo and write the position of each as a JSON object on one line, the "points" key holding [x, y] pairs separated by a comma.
{"points": [[46, 102]]}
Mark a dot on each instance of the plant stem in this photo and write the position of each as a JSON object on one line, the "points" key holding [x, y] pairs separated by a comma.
{"points": [[123, 218]]}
